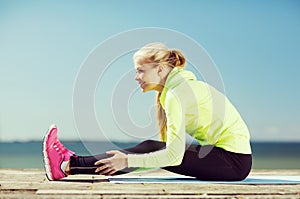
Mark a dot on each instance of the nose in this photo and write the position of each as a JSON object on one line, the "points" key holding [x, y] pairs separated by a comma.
{"points": [[136, 77]]}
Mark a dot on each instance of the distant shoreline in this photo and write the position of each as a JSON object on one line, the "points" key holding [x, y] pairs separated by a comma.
{"points": [[266, 155]]}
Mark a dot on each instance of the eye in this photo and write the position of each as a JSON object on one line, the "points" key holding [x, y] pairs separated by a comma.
{"points": [[139, 71]]}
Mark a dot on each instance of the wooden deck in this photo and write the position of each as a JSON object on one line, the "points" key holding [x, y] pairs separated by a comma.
{"points": [[31, 183]]}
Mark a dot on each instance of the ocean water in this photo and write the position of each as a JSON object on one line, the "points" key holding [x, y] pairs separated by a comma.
{"points": [[266, 155]]}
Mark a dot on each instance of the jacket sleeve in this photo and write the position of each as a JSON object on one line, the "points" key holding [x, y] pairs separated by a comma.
{"points": [[173, 154]]}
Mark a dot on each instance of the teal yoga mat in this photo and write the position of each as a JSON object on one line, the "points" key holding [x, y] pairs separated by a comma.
{"points": [[186, 180]]}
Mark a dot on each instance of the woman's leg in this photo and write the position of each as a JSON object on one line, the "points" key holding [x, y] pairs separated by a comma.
{"points": [[85, 164], [202, 162], [213, 163]]}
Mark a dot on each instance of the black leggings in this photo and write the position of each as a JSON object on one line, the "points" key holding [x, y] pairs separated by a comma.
{"points": [[216, 163]]}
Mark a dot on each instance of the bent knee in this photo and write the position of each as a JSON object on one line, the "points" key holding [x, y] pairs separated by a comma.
{"points": [[151, 145]]}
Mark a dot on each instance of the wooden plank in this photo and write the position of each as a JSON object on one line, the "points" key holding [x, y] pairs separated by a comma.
{"points": [[31, 183], [183, 190], [14, 196]]}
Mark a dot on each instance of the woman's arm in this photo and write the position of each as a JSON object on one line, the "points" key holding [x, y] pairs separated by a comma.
{"points": [[173, 154]]}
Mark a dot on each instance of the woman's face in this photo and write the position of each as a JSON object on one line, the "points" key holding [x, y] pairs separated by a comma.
{"points": [[147, 75]]}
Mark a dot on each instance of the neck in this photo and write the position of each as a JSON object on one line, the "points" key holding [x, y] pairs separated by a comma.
{"points": [[164, 79]]}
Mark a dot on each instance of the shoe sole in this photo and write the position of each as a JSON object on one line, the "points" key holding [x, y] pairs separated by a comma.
{"points": [[46, 159]]}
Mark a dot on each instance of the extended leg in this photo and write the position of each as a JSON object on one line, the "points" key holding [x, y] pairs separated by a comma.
{"points": [[85, 164]]}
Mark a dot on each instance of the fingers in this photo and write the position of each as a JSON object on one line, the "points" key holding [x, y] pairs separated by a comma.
{"points": [[112, 152], [103, 161], [111, 172], [105, 166], [107, 171], [107, 160], [112, 164]]}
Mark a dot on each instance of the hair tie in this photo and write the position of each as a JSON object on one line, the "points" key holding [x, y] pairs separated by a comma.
{"points": [[172, 58], [172, 54]]}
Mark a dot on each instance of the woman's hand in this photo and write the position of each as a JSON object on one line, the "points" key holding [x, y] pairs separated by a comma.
{"points": [[113, 164]]}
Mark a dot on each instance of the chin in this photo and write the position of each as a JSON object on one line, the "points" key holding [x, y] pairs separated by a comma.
{"points": [[145, 90], [148, 87]]}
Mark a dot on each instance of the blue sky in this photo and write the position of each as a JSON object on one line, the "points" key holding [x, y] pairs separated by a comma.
{"points": [[254, 44]]}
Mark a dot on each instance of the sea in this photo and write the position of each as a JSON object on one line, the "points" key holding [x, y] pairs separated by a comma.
{"points": [[266, 155]]}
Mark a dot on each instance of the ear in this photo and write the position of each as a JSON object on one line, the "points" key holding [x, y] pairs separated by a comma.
{"points": [[159, 69]]}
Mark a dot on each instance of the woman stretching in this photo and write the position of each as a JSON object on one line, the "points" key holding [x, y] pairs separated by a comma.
{"points": [[184, 105]]}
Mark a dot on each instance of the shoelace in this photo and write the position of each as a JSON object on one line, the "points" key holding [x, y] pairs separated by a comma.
{"points": [[57, 149], [63, 148]]}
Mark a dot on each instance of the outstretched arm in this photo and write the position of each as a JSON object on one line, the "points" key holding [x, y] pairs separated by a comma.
{"points": [[172, 155]]}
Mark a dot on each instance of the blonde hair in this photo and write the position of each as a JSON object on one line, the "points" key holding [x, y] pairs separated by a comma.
{"points": [[157, 53]]}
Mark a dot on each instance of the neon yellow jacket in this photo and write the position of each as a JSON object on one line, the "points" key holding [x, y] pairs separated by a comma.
{"points": [[196, 108]]}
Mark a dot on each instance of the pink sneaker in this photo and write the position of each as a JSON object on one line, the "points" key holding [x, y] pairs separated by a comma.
{"points": [[67, 153], [56, 156]]}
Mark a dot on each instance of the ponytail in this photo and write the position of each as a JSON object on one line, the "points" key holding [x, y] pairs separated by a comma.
{"points": [[161, 119], [177, 59]]}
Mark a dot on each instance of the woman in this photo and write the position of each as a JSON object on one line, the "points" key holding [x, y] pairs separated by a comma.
{"points": [[184, 105]]}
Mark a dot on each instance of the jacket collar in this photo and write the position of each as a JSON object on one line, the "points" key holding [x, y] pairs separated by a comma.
{"points": [[175, 77]]}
